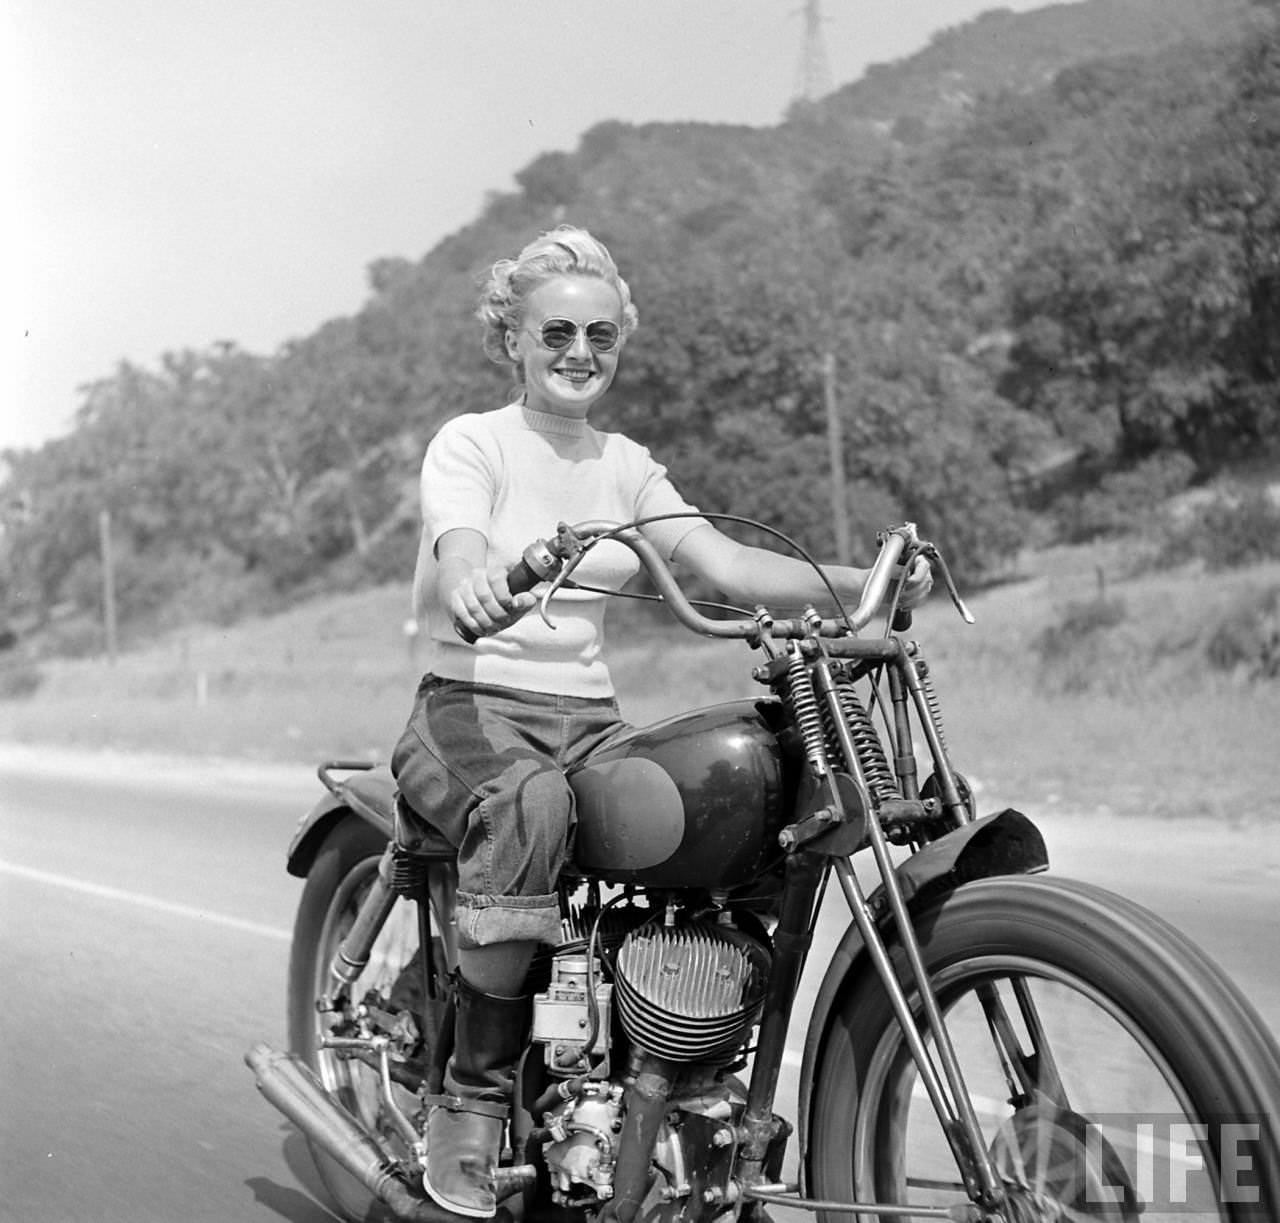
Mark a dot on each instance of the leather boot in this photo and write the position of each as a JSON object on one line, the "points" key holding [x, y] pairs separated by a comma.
{"points": [[465, 1124]]}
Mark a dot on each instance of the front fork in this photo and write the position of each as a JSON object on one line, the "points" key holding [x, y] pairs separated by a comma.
{"points": [[940, 1072]]}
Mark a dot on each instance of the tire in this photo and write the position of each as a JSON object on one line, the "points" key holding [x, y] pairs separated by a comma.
{"points": [[1145, 1032], [340, 877]]}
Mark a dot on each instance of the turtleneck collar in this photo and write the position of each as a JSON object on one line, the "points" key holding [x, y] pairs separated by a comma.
{"points": [[549, 422]]}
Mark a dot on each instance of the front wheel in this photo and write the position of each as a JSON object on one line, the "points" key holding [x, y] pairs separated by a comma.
{"points": [[1115, 1072]]}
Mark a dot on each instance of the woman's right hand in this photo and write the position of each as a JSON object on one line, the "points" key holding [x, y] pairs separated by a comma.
{"points": [[481, 601], [475, 594]]}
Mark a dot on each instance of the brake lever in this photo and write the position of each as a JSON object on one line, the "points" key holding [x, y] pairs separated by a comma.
{"points": [[935, 556], [566, 570], [901, 619]]}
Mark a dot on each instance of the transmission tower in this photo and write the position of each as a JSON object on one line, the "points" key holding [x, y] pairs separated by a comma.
{"points": [[813, 73]]}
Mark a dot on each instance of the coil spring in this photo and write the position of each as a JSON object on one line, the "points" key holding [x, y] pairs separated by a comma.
{"points": [[408, 874], [804, 705], [875, 765], [931, 699]]}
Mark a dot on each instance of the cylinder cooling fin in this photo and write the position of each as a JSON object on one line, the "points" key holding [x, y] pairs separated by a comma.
{"points": [[691, 992]]}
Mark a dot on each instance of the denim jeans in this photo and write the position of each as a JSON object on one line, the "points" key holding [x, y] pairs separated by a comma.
{"points": [[485, 765]]}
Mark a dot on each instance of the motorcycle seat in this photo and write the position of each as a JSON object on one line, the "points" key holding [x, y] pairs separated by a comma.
{"points": [[373, 793]]}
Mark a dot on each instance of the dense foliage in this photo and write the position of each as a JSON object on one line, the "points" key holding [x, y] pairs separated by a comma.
{"points": [[1042, 257]]}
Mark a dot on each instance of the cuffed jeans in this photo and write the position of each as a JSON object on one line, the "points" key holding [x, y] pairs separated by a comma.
{"points": [[485, 765]]}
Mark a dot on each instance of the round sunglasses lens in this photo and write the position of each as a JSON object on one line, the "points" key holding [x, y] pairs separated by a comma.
{"points": [[602, 336], [558, 334]]}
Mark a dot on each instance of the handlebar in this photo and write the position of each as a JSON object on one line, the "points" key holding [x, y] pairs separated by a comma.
{"points": [[553, 561]]}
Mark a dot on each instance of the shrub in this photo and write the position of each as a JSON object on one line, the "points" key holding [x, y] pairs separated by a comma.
{"points": [[1231, 530], [1248, 639], [1073, 653], [73, 636], [1125, 500], [19, 678]]}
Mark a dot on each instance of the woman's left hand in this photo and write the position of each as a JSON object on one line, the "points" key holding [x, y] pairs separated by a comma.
{"points": [[919, 583]]}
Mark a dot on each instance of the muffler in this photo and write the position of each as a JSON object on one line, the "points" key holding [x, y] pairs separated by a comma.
{"points": [[292, 1086]]}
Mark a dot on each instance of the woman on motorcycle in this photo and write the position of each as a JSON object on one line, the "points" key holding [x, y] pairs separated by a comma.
{"points": [[497, 722]]}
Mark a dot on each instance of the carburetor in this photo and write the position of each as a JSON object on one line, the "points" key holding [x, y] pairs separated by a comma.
{"points": [[571, 1029]]}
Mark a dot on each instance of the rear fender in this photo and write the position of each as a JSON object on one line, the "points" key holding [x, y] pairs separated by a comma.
{"points": [[369, 795], [1006, 843]]}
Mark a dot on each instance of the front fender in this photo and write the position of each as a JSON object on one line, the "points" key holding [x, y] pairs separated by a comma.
{"points": [[370, 795], [1006, 843]]}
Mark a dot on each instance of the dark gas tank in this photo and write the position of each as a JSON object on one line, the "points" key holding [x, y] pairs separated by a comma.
{"points": [[696, 801]]}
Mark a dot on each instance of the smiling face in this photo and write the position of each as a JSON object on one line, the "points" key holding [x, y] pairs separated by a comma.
{"points": [[568, 382]]}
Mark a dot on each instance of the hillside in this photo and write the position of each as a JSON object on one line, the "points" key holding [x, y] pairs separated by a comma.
{"points": [[1021, 52], [1038, 256]]}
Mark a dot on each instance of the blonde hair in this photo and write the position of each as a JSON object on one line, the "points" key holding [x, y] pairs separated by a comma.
{"points": [[563, 251]]}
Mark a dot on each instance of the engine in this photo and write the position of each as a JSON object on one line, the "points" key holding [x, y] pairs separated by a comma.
{"points": [[667, 1002], [690, 993]]}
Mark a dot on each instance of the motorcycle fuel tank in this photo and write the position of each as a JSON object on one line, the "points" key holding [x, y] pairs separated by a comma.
{"points": [[695, 801]]}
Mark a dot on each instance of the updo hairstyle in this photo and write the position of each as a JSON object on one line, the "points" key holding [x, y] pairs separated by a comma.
{"points": [[563, 251]]}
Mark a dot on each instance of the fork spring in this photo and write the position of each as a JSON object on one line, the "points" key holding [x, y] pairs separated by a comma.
{"points": [[875, 765], [804, 705], [931, 699]]}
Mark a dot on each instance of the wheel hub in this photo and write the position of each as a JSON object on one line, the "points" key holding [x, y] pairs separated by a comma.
{"points": [[1055, 1166]]}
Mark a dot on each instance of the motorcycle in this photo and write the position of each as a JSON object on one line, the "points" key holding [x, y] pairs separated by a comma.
{"points": [[988, 1042]]}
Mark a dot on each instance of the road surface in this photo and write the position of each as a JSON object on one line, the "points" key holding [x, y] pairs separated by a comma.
{"points": [[144, 923]]}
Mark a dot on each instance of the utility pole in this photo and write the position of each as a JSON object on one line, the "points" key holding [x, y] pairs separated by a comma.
{"points": [[835, 451], [108, 583]]}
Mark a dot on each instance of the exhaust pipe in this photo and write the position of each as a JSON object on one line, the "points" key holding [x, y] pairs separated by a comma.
{"points": [[292, 1086]]}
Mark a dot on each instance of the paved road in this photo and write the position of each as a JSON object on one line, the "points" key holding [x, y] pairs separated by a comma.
{"points": [[144, 917], [146, 922]]}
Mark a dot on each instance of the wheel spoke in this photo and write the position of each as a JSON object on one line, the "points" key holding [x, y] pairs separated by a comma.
{"points": [[943, 1186]]}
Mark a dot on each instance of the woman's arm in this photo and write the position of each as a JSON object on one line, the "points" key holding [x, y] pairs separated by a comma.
{"points": [[422, 572], [755, 575]]}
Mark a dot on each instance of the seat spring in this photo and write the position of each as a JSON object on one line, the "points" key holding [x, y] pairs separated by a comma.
{"points": [[875, 765], [408, 874]]}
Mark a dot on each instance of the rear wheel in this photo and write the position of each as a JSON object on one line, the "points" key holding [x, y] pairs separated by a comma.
{"points": [[387, 998], [1114, 1070]]}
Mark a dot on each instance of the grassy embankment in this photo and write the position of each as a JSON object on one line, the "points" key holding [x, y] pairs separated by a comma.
{"points": [[1154, 731]]}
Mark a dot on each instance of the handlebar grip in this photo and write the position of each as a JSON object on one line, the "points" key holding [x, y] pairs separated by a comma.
{"points": [[902, 616], [519, 579]]}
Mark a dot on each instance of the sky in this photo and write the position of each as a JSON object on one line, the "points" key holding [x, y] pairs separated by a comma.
{"points": [[186, 173]]}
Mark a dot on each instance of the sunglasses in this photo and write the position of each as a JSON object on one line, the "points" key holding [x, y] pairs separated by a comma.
{"points": [[557, 334]]}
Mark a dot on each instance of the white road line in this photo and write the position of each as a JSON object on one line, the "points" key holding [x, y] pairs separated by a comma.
{"points": [[144, 902]]}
